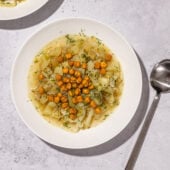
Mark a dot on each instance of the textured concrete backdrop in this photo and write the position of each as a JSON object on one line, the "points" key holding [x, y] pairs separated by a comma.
{"points": [[146, 25]]}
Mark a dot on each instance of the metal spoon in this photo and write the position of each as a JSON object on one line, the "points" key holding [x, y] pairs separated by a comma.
{"points": [[160, 81]]}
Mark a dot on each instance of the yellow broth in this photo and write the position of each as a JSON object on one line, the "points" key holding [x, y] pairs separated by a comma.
{"points": [[75, 82], [10, 3]]}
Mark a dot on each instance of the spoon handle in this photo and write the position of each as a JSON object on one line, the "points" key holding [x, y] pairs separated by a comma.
{"points": [[138, 145]]}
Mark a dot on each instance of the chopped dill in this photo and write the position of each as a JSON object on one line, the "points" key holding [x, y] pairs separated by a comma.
{"points": [[99, 42], [36, 60], [105, 116], [69, 39], [66, 124], [104, 107], [82, 32], [86, 57], [36, 108], [116, 102]]}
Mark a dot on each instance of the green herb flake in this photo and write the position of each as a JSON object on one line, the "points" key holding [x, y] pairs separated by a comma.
{"points": [[36, 61], [82, 32], [105, 116], [66, 124], [99, 42], [69, 39], [36, 108], [86, 57]]}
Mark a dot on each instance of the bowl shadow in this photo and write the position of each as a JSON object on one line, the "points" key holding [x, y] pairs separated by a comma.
{"points": [[34, 18], [124, 135]]}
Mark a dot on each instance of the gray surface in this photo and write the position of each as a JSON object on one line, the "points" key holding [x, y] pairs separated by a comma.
{"points": [[146, 25]]}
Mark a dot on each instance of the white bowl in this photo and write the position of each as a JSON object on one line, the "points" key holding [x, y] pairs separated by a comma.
{"points": [[21, 10], [118, 120]]}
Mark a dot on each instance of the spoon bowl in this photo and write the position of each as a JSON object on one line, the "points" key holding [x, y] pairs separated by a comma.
{"points": [[160, 76]]}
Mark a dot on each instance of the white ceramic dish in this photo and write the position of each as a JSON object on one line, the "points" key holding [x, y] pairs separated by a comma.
{"points": [[111, 126], [21, 10]]}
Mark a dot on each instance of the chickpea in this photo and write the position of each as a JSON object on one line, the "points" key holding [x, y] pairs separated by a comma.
{"points": [[98, 110], [103, 64], [64, 99], [74, 85], [72, 79], [58, 77], [70, 93], [93, 104], [65, 70], [71, 63], [56, 99], [103, 71], [41, 90], [77, 73], [77, 64], [108, 57], [72, 111], [66, 79], [91, 87], [74, 100], [68, 86], [85, 83], [84, 65], [68, 55], [60, 59], [85, 91], [59, 94], [41, 76], [97, 65], [81, 86], [79, 79], [60, 83], [77, 91], [71, 71], [63, 88], [79, 99], [50, 98], [64, 105], [72, 116], [87, 99], [86, 78]]}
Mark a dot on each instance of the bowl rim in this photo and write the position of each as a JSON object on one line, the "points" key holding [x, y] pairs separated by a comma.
{"points": [[19, 7], [46, 25]]}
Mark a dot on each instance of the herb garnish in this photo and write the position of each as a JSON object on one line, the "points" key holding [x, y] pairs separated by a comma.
{"points": [[69, 39]]}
